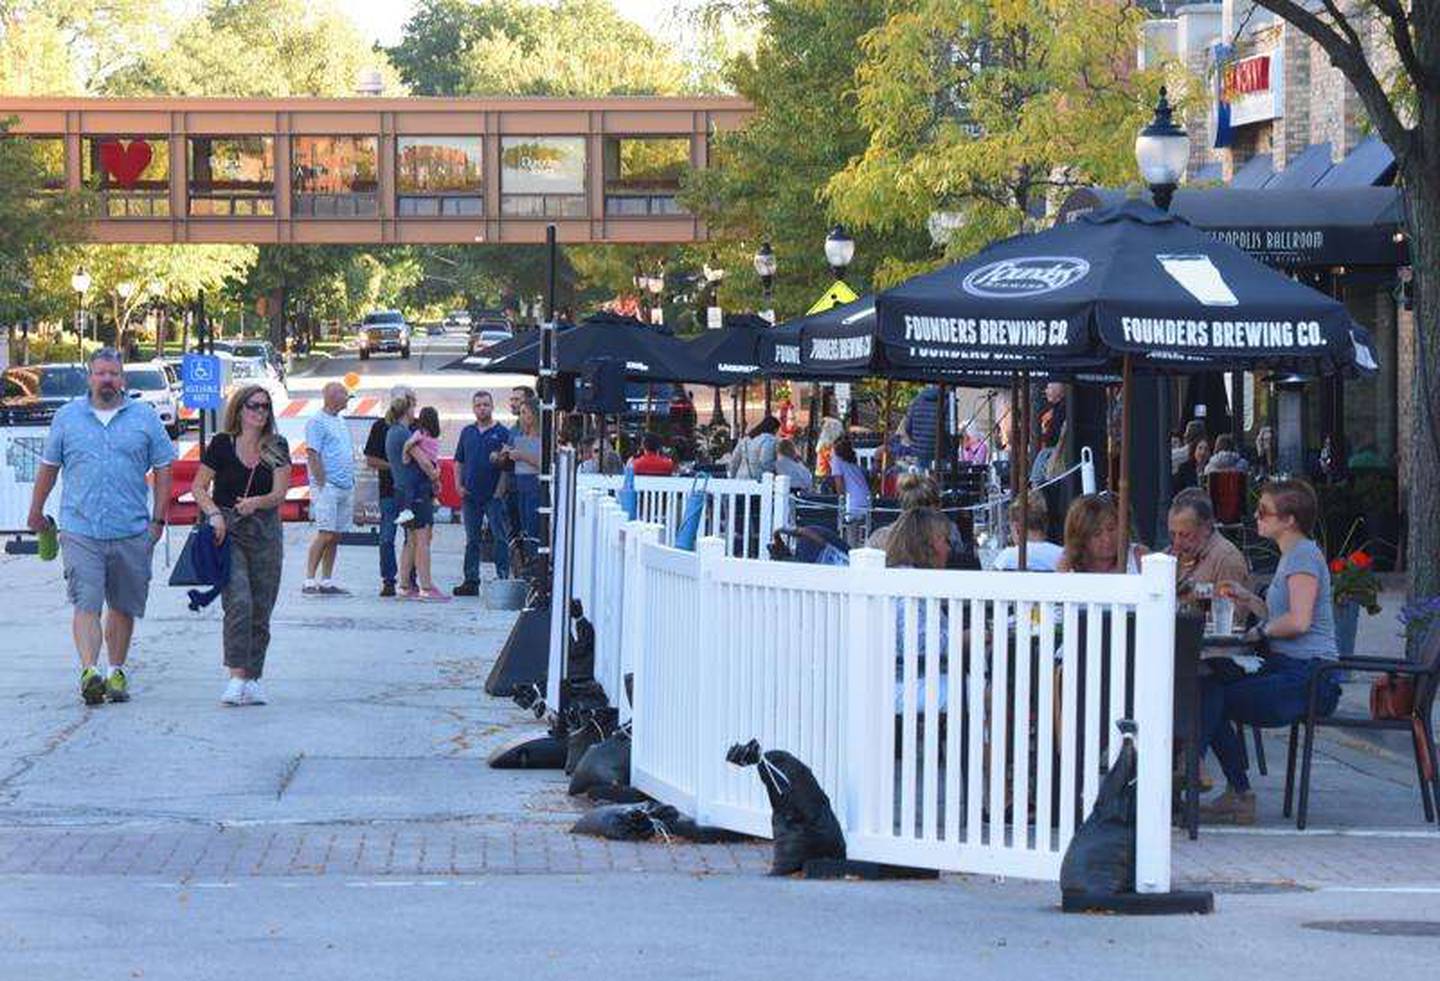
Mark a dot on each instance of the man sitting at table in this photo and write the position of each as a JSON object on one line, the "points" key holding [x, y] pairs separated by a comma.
{"points": [[1203, 555], [652, 462]]}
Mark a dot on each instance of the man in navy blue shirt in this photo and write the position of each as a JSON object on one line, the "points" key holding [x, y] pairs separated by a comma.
{"points": [[480, 472]]}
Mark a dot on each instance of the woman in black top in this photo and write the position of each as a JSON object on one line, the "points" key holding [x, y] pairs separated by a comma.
{"points": [[239, 486]]}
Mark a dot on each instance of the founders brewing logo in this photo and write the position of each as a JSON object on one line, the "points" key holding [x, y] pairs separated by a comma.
{"points": [[1025, 276]]}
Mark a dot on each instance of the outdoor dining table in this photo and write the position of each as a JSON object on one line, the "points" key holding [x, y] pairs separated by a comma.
{"points": [[1190, 658]]}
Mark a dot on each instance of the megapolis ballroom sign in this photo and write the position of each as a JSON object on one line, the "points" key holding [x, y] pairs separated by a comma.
{"points": [[1025, 276]]}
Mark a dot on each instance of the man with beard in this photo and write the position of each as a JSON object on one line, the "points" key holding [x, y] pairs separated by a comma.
{"points": [[106, 443]]}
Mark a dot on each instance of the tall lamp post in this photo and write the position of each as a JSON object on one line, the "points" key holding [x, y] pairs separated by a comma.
{"points": [[714, 275], [125, 290], [765, 266], [1162, 151], [26, 285], [80, 283], [156, 292], [839, 253], [655, 284]]}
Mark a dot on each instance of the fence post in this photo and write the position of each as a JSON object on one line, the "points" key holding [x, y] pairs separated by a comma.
{"points": [[864, 661], [1154, 719], [709, 686], [776, 492], [632, 612]]}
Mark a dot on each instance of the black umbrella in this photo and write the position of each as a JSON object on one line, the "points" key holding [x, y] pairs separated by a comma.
{"points": [[730, 355], [649, 354], [1130, 287], [1129, 284], [512, 346]]}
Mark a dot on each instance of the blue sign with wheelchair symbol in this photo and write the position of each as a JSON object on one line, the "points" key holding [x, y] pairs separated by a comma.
{"points": [[200, 377]]}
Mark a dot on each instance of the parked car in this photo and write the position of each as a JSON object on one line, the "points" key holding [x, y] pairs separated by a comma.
{"points": [[263, 350], [487, 331], [384, 330], [434, 329], [457, 320], [31, 395], [148, 382]]}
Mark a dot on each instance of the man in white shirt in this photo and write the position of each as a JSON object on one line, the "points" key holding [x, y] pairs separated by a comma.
{"points": [[1041, 555], [330, 454]]}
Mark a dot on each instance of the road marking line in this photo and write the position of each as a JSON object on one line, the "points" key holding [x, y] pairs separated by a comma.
{"points": [[1401, 833]]}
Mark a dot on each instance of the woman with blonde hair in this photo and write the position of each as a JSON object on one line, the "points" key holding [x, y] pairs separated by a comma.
{"points": [[920, 539], [239, 487], [1092, 535], [830, 431]]}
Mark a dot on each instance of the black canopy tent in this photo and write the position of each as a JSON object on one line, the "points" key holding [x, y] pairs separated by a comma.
{"points": [[648, 353], [1129, 288]]}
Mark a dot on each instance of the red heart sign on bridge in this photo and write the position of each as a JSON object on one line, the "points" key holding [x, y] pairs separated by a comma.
{"points": [[125, 163]]}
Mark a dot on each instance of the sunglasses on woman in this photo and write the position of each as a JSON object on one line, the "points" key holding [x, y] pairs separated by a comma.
{"points": [[258, 406]]}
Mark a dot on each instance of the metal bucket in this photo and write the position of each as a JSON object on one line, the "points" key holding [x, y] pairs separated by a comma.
{"points": [[506, 594]]}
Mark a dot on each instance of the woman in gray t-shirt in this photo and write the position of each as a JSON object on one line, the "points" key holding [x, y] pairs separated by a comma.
{"points": [[1296, 634]]}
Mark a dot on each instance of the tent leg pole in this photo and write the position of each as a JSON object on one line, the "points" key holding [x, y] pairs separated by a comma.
{"points": [[1126, 390], [1024, 501], [888, 426]]}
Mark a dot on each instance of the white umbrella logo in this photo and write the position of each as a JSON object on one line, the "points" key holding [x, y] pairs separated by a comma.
{"points": [[1199, 277]]}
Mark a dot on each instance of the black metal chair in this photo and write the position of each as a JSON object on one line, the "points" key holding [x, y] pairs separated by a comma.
{"points": [[1426, 675]]}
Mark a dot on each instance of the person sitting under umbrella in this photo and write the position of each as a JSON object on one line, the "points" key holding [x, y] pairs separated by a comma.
{"points": [[651, 462], [1092, 529]]}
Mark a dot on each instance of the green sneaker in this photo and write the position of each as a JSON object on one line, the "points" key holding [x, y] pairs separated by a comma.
{"points": [[117, 688], [92, 686]]}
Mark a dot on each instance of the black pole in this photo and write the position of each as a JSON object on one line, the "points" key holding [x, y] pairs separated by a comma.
{"points": [[200, 342], [549, 364]]}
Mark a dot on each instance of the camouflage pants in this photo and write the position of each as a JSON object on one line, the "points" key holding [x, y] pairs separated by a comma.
{"points": [[256, 556]]}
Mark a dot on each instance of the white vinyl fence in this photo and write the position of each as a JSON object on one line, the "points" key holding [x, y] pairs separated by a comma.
{"points": [[958, 720], [742, 514]]}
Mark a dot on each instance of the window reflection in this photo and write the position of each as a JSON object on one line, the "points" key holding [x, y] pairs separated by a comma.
{"points": [[542, 176], [232, 175], [130, 174], [642, 175], [439, 176], [335, 177]]}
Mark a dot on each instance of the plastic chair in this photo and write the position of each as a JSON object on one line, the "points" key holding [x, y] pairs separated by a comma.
{"points": [[1426, 673]]}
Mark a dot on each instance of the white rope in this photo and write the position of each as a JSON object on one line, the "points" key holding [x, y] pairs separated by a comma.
{"points": [[988, 503]]}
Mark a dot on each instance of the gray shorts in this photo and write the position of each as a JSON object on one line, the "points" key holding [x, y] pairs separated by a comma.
{"points": [[113, 571], [331, 508]]}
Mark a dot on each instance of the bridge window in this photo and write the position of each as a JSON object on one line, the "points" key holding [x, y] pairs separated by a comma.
{"points": [[642, 175], [48, 154], [335, 177], [131, 175], [439, 177], [542, 177], [232, 176]]}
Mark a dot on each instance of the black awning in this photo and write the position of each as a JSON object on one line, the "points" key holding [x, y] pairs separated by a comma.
{"points": [[1290, 229]]}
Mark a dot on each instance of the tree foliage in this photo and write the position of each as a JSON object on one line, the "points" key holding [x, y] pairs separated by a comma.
{"points": [[509, 47], [767, 177], [31, 220], [983, 110]]}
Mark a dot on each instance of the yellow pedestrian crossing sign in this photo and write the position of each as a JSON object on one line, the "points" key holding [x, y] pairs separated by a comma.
{"points": [[837, 295]]}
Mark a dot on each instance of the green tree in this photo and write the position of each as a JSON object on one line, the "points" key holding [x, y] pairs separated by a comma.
{"points": [[1389, 51], [32, 221], [258, 48], [983, 111], [767, 177]]}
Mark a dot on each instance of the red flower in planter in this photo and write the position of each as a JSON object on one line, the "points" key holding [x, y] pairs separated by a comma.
{"points": [[1337, 565], [1361, 559]]}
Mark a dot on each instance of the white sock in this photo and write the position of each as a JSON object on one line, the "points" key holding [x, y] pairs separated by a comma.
{"points": [[112, 668], [310, 582], [326, 582]]}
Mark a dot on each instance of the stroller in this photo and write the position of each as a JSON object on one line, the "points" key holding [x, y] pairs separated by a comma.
{"points": [[811, 545]]}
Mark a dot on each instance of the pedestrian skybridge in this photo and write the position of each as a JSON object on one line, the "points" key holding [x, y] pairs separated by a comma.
{"points": [[378, 170]]}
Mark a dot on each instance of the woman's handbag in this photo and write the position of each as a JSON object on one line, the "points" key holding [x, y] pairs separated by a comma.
{"points": [[1392, 696], [183, 573], [689, 529]]}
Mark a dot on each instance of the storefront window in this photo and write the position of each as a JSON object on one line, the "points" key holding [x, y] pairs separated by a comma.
{"points": [[131, 175], [542, 177], [232, 176], [335, 177], [642, 175], [439, 177]]}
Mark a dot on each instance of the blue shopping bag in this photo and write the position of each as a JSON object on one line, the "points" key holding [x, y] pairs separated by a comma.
{"points": [[689, 529], [626, 497]]}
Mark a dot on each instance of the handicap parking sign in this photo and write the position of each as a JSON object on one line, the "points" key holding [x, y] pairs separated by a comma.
{"points": [[201, 381]]}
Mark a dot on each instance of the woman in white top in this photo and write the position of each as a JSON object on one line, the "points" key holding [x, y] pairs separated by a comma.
{"points": [[1040, 555], [850, 482], [787, 464]]}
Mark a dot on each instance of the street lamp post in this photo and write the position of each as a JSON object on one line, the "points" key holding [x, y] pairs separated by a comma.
{"points": [[156, 292], [80, 283], [714, 275], [839, 250], [26, 285], [1162, 150], [655, 284], [765, 266], [125, 290]]}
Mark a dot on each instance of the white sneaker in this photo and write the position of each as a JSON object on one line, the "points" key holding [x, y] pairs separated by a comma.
{"points": [[405, 517], [235, 692], [254, 694]]}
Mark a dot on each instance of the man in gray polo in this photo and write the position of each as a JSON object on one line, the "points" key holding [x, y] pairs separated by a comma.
{"points": [[106, 444]]}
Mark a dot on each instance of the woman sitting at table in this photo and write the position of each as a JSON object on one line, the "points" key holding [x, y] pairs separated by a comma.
{"points": [[1092, 534], [1041, 555], [1295, 636]]}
